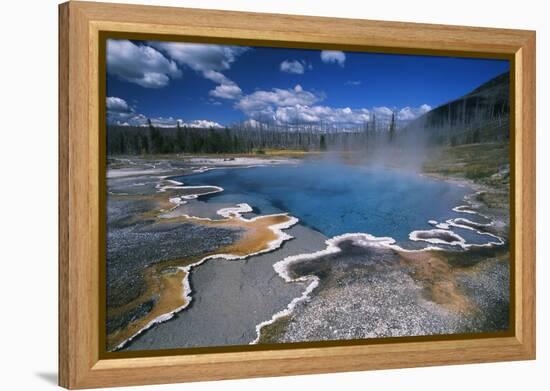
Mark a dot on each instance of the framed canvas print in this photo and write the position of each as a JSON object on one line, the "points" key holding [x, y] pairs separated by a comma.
{"points": [[249, 195]]}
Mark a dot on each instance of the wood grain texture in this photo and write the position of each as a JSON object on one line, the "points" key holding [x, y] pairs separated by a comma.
{"points": [[80, 168], [63, 200], [528, 186]]}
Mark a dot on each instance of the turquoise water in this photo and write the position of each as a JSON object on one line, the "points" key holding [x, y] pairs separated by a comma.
{"points": [[335, 198]]}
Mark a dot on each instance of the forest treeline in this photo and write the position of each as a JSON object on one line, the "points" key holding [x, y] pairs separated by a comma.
{"points": [[480, 116], [132, 140]]}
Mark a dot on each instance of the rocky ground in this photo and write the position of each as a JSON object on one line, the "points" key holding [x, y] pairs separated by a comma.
{"points": [[374, 293]]}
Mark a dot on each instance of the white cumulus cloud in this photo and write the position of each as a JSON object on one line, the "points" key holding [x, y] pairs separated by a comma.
{"points": [[333, 56], [171, 122], [209, 60], [201, 123], [140, 64], [330, 116], [119, 112], [297, 106], [382, 111], [117, 104], [294, 66], [201, 57], [265, 103], [409, 113], [216, 77], [425, 108], [226, 91]]}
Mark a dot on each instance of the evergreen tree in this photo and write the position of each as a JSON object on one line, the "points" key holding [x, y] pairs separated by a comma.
{"points": [[156, 138], [322, 143], [391, 133], [180, 139]]}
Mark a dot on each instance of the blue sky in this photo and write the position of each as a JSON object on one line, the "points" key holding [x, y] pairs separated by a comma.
{"points": [[216, 85]]}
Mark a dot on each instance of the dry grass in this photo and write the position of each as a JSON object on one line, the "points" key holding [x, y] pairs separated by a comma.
{"points": [[481, 163]]}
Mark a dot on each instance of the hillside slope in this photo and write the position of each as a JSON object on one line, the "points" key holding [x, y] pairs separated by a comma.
{"points": [[479, 116]]}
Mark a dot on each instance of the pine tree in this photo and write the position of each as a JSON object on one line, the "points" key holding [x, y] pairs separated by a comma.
{"points": [[180, 138], [156, 138], [322, 143], [391, 133]]}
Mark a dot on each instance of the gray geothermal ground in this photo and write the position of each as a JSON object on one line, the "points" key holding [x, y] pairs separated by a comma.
{"points": [[368, 293], [231, 297]]}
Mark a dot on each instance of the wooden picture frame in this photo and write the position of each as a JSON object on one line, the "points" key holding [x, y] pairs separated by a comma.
{"points": [[81, 167]]}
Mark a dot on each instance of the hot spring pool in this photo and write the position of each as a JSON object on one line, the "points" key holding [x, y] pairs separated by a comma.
{"points": [[335, 198]]}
